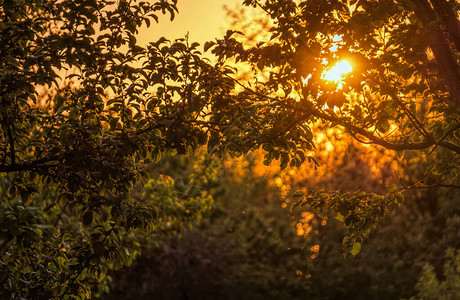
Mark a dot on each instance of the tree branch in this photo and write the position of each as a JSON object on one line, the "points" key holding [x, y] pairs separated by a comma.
{"points": [[426, 143], [43, 163], [449, 132]]}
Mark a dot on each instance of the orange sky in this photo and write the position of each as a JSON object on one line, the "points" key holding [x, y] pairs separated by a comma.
{"points": [[203, 19]]}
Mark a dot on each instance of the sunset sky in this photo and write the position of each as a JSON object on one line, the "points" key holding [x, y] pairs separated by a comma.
{"points": [[203, 19]]}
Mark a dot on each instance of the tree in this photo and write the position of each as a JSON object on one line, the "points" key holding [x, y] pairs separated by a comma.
{"points": [[84, 108], [402, 93]]}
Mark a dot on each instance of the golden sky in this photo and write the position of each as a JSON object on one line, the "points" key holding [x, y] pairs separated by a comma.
{"points": [[203, 19]]}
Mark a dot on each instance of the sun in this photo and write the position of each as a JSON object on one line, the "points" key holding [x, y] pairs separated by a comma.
{"points": [[338, 71]]}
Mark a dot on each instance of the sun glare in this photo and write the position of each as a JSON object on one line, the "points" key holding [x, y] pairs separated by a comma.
{"points": [[336, 72]]}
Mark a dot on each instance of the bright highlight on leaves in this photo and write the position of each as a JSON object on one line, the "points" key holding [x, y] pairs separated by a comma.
{"points": [[338, 71]]}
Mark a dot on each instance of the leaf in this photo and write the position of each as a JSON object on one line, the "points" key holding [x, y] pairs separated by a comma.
{"points": [[11, 191], [101, 277], [311, 158], [356, 248], [301, 156], [83, 274], [340, 217]]}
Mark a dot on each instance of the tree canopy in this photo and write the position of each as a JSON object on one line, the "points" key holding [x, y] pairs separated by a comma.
{"points": [[401, 93], [86, 109]]}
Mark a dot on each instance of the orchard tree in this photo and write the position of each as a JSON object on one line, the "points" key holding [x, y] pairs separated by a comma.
{"points": [[384, 72], [84, 109]]}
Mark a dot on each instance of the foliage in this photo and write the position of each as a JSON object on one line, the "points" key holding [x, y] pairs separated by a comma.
{"points": [[402, 93], [85, 109], [392, 256], [246, 247], [429, 287], [52, 249], [236, 254]]}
